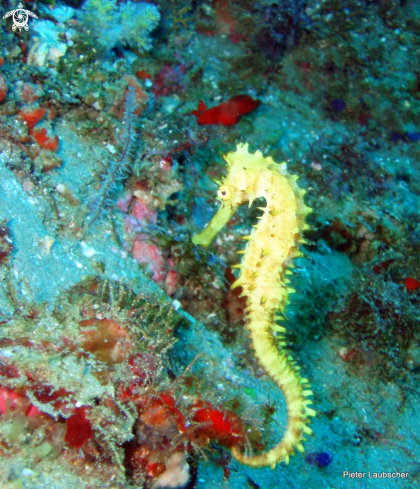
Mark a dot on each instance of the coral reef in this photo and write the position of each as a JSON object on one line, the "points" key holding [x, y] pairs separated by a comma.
{"points": [[107, 167], [96, 379], [126, 23]]}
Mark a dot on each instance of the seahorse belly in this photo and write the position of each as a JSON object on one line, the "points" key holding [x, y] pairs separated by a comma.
{"points": [[263, 276]]}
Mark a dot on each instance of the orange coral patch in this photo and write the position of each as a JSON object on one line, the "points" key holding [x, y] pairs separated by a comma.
{"points": [[44, 140], [33, 116], [104, 339]]}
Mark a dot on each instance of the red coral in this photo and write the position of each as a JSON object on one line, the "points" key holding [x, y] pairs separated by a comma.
{"points": [[411, 283], [220, 425], [228, 113], [44, 140], [47, 395], [163, 416], [155, 469], [9, 400], [32, 116], [9, 371], [143, 75], [3, 87], [170, 425], [382, 266], [78, 429], [32, 411]]}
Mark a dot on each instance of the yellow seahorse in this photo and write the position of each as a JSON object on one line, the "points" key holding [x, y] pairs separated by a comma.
{"points": [[263, 276]]}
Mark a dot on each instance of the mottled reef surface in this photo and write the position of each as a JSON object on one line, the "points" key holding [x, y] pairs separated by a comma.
{"points": [[123, 358]]}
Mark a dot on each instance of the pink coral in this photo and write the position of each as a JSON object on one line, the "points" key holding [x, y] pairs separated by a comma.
{"points": [[171, 280], [144, 252], [8, 400], [142, 212]]}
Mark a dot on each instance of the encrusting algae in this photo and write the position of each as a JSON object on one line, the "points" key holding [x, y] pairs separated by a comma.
{"points": [[264, 279]]}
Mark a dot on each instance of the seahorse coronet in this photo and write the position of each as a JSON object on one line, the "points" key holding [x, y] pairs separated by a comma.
{"points": [[264, 276]]}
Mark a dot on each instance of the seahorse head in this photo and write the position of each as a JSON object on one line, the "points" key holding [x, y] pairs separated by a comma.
{"points": [[237, 188]]}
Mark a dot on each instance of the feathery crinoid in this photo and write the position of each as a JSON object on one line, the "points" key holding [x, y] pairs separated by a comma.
{"points": [[117, 169]]}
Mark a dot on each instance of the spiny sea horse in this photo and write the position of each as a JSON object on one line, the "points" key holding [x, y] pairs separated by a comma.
{"points": [[264, 278]]}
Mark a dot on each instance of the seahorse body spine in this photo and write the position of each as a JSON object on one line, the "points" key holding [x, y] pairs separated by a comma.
{"points": [[264, 278]]}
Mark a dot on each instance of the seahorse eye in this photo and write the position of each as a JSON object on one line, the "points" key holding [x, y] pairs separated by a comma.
{"points": [[224, 192]]}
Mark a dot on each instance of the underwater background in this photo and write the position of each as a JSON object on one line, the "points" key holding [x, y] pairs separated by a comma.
{"points": [[124, 362]]}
